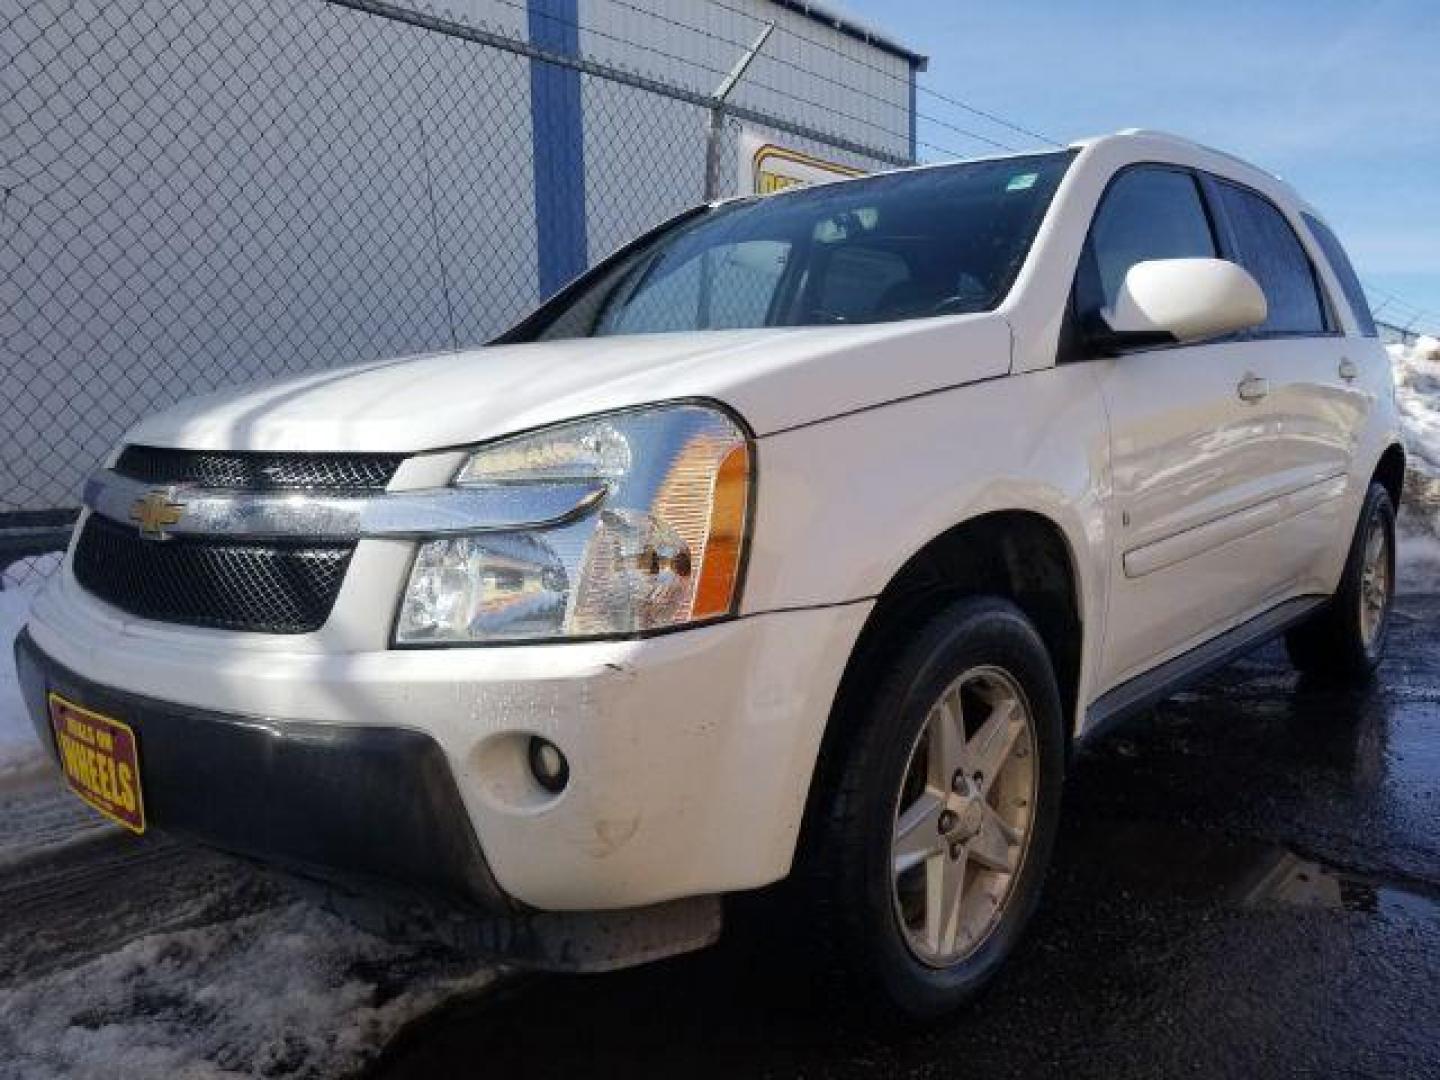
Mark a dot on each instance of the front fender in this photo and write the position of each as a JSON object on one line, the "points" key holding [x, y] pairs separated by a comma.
{"points": [[843, 505]]}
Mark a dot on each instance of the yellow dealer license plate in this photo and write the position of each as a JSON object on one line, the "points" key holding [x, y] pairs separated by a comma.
{"points": [[101, 761]]}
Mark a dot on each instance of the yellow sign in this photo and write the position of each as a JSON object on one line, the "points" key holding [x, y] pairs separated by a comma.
{"points": [[769, 168], [154, 512]]}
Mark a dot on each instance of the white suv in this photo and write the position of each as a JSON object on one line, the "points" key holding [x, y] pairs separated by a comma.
{"points": [[801, 537]]}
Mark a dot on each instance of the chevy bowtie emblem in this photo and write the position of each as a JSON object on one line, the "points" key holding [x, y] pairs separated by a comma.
{"points": [[154, 512]]}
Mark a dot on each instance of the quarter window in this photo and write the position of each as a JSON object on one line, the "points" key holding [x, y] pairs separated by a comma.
{"points": [[1349, 282], [1267, 246], [1148, 213]]}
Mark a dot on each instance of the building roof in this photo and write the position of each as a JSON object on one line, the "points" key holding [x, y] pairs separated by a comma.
{"points": [[832, 15]]}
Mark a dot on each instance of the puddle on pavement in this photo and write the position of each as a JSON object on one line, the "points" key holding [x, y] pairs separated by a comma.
{"points": [[1297, 882], [1171, 861]]}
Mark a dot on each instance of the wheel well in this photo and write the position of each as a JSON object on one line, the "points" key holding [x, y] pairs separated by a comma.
{"points": [[1390, 473], [1018, 555]]}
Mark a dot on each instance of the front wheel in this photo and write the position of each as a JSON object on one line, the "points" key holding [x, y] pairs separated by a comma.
{"points": [[935, 839], [1345, 640]]}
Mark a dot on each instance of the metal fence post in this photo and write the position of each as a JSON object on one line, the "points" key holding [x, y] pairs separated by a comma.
{"points": [[717, 113]]}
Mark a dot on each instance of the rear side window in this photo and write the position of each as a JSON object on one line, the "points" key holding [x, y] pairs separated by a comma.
{"points": [[1267, 246], [1148, 213], [1349, 282]]}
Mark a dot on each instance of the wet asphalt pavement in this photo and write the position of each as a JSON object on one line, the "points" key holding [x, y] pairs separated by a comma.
{"points": [[1247, 884]]}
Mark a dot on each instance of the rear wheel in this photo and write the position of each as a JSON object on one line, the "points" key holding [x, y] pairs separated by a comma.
{"points": [[934, 842], [1346, 639]]}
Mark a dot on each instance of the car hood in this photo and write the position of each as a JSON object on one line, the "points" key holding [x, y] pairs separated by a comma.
{"points": [[774, 378]]}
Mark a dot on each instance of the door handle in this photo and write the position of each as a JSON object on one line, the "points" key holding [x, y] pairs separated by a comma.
{"points": [[1348, 371], [1252, 388]]}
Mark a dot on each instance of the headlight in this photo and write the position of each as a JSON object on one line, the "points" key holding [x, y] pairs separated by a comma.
{"points": [[662, 546]]}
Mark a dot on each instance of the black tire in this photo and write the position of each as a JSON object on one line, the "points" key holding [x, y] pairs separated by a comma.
{"points": [[1332, 645], [846, 883]]}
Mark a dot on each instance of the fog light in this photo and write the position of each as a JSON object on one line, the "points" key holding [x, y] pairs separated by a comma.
{"points": [[552, 771]]}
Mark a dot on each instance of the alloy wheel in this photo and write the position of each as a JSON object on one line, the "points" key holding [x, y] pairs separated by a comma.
{"points": [[963, 816], [1376, 581]]}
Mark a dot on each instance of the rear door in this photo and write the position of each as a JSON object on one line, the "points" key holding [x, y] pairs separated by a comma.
{"points": [[1363, 371], [1192, 443], [1317, 406]]}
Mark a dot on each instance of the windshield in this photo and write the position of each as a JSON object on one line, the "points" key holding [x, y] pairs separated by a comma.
{"points": [[905, 245]]}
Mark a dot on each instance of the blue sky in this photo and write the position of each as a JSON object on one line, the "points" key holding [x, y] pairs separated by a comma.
{"points": [[1340, 98]]}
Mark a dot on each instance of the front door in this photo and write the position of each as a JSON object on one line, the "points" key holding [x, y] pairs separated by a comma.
{"points": [[1193, 445]]}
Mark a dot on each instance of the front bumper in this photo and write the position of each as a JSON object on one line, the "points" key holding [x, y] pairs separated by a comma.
{"points": [[348, 801], [690, 753]]}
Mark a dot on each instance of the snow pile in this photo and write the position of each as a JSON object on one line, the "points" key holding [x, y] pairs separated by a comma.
{"points": [[20, 754], [1417, 391], [1417, 388], [289, 992], [285, 990]]}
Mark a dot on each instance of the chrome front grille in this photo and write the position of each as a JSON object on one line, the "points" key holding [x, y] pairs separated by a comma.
{"points": [[263, 584], [246, 471]]}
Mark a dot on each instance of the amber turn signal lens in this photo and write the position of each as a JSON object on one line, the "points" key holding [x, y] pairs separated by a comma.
{"points": [[720, 566]]}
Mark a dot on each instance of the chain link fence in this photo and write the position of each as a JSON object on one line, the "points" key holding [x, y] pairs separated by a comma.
{"points": [[1395, 334], [201, 193]]}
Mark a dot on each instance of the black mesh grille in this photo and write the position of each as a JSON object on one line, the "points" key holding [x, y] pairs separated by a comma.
{"points": [[267, 588], [259, 471]]}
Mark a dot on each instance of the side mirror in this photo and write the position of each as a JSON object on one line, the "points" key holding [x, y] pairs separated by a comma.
{"points": [[1164, 301]]}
